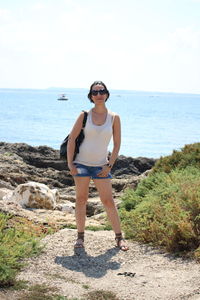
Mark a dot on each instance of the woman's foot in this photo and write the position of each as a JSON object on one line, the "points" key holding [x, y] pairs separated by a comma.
{"points": [[121, 244], [80, 240], [79, 244]]}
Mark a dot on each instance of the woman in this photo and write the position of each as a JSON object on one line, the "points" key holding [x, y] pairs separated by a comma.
{"points": [[92, 160]]}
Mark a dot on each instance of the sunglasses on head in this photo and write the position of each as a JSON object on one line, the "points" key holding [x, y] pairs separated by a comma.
{"points": [[101, 92]]}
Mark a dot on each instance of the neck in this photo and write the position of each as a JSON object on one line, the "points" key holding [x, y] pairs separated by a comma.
{"points": [[100, 109]]}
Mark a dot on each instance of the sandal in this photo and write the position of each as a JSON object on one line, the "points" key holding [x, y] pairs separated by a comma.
{"points": [[80, 240], [121, 242]]}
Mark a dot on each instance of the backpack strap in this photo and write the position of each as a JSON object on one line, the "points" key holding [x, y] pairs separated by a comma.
{"points": [[85, 118]]}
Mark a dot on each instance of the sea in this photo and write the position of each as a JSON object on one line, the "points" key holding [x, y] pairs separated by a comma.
{"points": [[153, 123]]}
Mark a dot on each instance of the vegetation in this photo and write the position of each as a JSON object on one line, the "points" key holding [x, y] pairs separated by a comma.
{"points": [[188, 156], [44, 292], [101, 295], [106, 226], [164, 210], [19, 238]]}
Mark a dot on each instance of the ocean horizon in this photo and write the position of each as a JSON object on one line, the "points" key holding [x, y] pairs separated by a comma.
{"points": [[153, 123]]}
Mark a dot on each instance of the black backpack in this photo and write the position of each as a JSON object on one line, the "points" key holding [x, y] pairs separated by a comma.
{"points": [[78, 141]]}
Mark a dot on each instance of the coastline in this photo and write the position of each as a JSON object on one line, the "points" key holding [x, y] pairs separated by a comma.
{"points": [[21, 163], [41, 158], [151, 127]]}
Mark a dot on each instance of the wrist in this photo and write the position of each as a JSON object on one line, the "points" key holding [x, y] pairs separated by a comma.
{"points": [[109, 165], [70, 165]]}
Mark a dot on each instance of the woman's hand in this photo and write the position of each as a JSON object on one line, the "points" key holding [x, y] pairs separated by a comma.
{"points": [[105, 171], [72, 169]]}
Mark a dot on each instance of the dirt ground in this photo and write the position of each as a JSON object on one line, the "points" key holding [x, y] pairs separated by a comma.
{"points": [[150, 274]]}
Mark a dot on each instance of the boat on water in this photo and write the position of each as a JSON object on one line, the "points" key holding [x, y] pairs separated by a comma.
{"points": [[62, 97]]}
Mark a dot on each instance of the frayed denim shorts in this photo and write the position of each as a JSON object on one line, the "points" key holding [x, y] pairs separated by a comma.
{"points": [[88, 171]]}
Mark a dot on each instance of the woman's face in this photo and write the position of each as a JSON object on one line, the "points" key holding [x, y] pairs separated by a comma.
{"points": [[98, 93]]}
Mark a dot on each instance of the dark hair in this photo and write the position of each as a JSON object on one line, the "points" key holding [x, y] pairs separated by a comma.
{"points": [[97, 83]]}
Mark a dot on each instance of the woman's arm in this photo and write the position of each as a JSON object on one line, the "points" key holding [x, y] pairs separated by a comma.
{"points": [[116, 140], [71, 142], [116, 146]]}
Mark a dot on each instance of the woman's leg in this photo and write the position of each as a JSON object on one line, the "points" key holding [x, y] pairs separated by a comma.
{"points": [[104, 188], [82, 187]]}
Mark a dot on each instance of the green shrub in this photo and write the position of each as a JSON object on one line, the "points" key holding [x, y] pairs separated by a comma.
{"points": [[16, 243], [43, 292], [166, 210], [131, 198], [188, 156], [101, 295]]}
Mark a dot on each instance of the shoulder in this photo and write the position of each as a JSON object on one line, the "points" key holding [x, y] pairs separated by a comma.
{"points": [[114, 115], [115, 118], [82, 114]]}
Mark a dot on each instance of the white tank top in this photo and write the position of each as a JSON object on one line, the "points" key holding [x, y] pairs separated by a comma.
{"points": [[94, 149]]}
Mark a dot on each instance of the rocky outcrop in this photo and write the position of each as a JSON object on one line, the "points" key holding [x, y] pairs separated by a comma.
{"points": [[126, 166], [15, 170], [21, 163]]}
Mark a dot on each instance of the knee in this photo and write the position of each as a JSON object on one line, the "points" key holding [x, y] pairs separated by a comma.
{"points": [[81, 200], [108, 203]]}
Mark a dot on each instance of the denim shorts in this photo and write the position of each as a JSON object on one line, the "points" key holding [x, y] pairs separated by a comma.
{"points": [[88, 171]]}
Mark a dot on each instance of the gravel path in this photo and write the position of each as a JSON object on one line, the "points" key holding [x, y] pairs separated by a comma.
{"points": [[157, 275]]}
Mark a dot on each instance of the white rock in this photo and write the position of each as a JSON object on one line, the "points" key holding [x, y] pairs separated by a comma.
{"points": [[34, 195], [68, 207], [5, 192]]}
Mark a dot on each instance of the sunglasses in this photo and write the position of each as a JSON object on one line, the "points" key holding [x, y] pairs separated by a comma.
{"points": [[101, 92]]}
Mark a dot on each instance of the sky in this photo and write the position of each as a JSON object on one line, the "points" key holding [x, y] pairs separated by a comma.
{"points": [[143, 45]]}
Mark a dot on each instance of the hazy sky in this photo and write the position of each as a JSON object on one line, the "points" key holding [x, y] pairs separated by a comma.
{"points": [[149, 45]]}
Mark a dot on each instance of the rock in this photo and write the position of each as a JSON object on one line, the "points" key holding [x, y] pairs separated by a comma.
{"points": [[34, 195], [16, 170], [94, 206], [21, 163], [40, 157], [133, 182], [3, 297], [131, 166], [7, 185], [67, 206], [54, 218], [67, 194], [5, 192]]}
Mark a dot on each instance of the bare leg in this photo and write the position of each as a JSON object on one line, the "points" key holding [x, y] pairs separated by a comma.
{"points": [[104, 188], [82, 187]]}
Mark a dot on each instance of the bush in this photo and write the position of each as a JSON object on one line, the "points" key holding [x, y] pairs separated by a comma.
{"points": [[101, 295], [131, 198], [165, 210], [188, 156], [17, 241]]}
